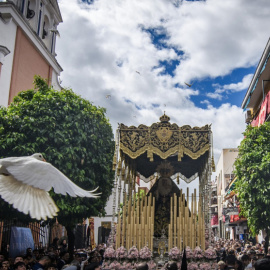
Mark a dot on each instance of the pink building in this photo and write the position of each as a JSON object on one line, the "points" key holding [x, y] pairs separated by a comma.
{"points": [[28, 30]]}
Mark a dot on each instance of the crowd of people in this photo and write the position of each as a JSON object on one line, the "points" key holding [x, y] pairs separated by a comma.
{"points": [[54, 258], [231, 255], [239, 255]]}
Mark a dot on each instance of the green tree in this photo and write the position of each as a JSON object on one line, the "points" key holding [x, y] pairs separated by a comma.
{"points": [[252, 169], [72, 134]]}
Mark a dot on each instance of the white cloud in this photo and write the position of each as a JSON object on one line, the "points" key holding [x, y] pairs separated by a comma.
{"points": [[206, 101], [214, 95], [230, 88], [235, 87], [103, 45]]}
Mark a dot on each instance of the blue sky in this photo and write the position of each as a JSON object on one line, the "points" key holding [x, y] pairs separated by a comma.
{"points": [[134, 58]]}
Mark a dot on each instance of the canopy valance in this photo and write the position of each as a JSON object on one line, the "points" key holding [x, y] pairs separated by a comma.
{"points": [[186, 148], [164, 139]]}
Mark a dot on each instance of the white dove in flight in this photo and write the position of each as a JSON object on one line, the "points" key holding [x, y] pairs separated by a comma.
{"points": [[25, 182]]}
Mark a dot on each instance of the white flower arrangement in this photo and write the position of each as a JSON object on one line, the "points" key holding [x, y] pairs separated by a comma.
{"points": [[192, 266], [210, 253], [205, 266], [175, 253], [109, 253], [121, 253], [198, 253], [145, 253], [189, 253], [133, 253]]}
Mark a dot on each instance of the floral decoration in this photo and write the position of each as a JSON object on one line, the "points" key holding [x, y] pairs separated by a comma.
{"points": [[109, 253], [189, 253], [198, 253], [115, 265], [121, 253], [210, 253], [205, 266], [175, 253], [133, 253], [126, 265], [145, 253], [192, 266]]}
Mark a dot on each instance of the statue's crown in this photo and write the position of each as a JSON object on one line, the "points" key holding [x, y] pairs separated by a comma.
{"points": [[164, 118]]}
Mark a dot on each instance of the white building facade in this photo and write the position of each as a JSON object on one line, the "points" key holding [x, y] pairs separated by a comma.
{"points": [[28, 30], [224, 174]]}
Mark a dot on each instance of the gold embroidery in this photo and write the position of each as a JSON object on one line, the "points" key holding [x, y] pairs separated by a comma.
{"points": [[164, 139]]}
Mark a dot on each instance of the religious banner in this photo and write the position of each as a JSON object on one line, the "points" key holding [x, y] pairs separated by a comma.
{"points": [[91, 233], [230, 211], [20, 239]]}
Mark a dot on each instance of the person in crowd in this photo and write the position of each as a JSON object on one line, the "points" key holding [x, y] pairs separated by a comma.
{"points": [[142, 266], [251, 253], [2, 257], [93, 266], [245, 260], [19, 266], [221, 254], [5, 265], [221, 265], [36, 256], [29, 251], [51, 267], [94, 256], [29, 262], [74, 265], [55, 243], [260, 255], [230, 262], [78, 257], [18, 258], [262, 264], [253, 260], [172, 266], [64, 259], [63, 245], [238, 265], [81, 257], [42, 263]]}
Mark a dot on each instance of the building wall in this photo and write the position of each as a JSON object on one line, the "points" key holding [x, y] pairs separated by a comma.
{"points": [[28, 62], [30, 54], [8, 31], [224, 168]]}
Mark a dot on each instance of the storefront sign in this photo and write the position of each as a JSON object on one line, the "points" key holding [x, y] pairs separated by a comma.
{"points": [[230, 211]]}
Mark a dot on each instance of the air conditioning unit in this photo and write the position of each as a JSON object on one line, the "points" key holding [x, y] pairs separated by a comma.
{"points": [[248, 116]]}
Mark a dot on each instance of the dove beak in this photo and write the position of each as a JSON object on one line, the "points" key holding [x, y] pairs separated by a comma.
{"points": [[44, 159]]}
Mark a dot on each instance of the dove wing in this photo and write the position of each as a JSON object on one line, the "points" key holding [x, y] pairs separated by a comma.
{"points": [[45, 176], [27, 199]]}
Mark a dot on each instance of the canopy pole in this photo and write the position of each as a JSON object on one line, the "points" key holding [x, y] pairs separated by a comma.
{"points": [[117, 140]]}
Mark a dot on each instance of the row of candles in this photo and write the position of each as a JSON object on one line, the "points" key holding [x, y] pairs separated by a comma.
{"points": [[184, 228], [136, 226]]}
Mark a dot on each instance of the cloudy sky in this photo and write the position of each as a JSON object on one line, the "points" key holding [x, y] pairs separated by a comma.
{"points": [[134, 58]]}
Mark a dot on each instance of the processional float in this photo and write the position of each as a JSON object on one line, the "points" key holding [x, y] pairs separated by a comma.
{"points": [[162, 153]]}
